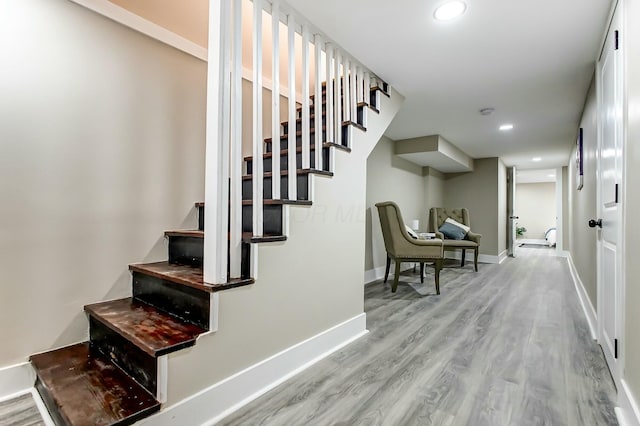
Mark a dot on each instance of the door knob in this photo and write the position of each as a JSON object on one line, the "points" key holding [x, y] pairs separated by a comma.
{"points": [[593, 223], [514, 217]]}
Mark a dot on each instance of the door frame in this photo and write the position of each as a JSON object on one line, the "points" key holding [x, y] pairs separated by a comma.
{"points": [[511, 205], [615, 23]]}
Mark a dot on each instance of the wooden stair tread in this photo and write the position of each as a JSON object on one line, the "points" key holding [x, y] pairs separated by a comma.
{"points": [[185, 275], [155, 332], [248, 237], [271, 202], [299, 120], [299, 150], [193, 233], [381, 90], [88, 389], [368, 105], [312, 130], [299, 172]]}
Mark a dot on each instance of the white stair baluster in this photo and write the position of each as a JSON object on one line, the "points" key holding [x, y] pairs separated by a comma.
{"points": [[258, 165], [317, 103], [235, 226], [275, 100], [306, 101], [292, 166]]}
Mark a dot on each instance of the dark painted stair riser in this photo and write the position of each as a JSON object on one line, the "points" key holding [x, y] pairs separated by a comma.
{"points": [[200, 216], [135, 362], [267, 163], [188, 303], [186, 250], [312, 124], [284, 141], [302, 187], [272, 219]]}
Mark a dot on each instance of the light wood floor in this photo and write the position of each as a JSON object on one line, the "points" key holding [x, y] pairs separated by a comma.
{"points": [[508, 345], [20, 411]]}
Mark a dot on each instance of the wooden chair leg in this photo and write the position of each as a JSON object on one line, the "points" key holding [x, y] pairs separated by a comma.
{"points": [[438, 267], [421, 272], [395, 279], [475, 258], [464, 252], [386, 272]]}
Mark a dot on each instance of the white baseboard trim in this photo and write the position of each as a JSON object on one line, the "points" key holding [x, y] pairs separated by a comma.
{"points": [[211, 405], [503, 256], [627, 412], [16, 379], [587, 306], [373, 275]]}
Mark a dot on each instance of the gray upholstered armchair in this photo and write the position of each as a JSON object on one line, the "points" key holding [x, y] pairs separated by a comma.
{"points": [[471, 241], [401, 247]]}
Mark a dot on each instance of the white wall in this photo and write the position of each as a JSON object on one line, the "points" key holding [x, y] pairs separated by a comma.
{"points": [[102, 149], [536, 204]]}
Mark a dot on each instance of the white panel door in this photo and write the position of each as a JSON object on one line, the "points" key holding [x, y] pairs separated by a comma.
{"points": [[609, 179]]}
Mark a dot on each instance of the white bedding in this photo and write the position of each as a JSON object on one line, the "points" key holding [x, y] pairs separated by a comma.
{"points": [[550, 236]]}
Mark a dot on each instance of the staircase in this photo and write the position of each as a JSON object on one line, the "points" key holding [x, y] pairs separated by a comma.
{"points": [[118, 376]]}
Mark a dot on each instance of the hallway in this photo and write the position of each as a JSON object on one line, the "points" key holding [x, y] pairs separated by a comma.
{"points": [[508, 345]]}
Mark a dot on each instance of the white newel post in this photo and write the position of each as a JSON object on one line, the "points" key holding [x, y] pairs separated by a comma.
{"points": [[217, 147]]}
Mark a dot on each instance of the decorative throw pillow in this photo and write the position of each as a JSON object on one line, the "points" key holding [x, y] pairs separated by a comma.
{"points": [[411, 232], [459, 225], [452, 232]]}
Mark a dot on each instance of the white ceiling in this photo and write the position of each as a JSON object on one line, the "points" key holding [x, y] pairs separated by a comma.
{"points": [[531, 60]]}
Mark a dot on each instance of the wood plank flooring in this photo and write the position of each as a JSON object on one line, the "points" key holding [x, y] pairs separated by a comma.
{"points": [[20, 411], [508, 345]]}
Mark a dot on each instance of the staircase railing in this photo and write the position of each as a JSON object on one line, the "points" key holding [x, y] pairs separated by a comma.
{"points": [[347, 86]]}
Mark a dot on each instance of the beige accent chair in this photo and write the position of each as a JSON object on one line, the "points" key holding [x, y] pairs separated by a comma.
{"points": [[437, 216], [401, 247]]}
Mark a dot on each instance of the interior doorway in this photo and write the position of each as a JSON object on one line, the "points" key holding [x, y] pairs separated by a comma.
{"points": [[536, 212]]}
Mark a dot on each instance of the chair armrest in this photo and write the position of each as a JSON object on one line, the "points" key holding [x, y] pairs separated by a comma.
{"points": [[439, 235], [472, 236]]}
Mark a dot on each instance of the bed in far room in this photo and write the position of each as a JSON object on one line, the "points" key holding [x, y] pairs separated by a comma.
{"points": [[550, 236]]}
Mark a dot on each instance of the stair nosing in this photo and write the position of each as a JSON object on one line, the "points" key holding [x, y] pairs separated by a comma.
{"points": [[300, 172], [187, 233], [139, 343], [206, 287], [279, 202]]}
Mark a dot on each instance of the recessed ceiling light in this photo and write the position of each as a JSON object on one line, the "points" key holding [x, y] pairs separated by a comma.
{"points": [[449, 10], [536, 159], [506, 127]]}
